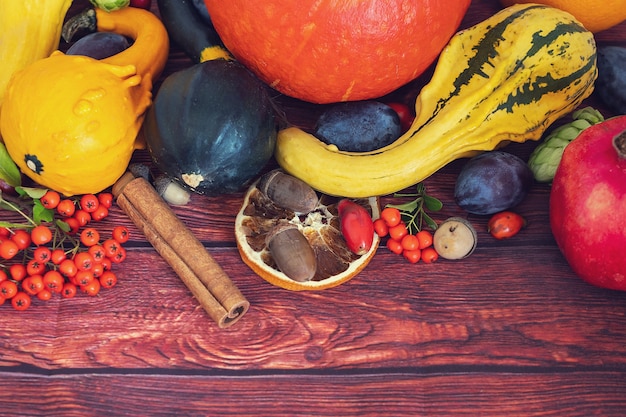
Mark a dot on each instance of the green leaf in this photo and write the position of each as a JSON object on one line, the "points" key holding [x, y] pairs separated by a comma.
{"points": [[409, 207], [432, 203], [429, 221], [41, 214], [9, 172], [414, 212], [411, 222], [11, 225], [63, 226], [34, 193]]}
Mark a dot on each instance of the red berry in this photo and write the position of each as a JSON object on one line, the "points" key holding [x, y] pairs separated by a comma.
{"points": [[111, 247], [34, 267], [8, 289], [43, 254], [394, 246], [50, 199], [73, 224], [413, 256], [121, 234], [89, 237], [89, 203], [68, 290], [21, 301], [21, 238], [44, 295], [66, 208], [100, 213], [120, 256], [57, 256], [410, 242], [381, 228], [53, 281], [398, 231], [82, 217], [97, 252], [84, 278], [425, 239], [83, 260], [33, 284], [68, 268], [8, 249], [93, 288], [106, 199], [391, 216], [108, 279], [40, 235], [18, 272], [505, 224], [429, 255], [404, 113]]}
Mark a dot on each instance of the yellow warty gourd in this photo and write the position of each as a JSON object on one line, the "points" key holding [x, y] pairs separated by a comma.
{"points": [[29, 30], [505, 79], [71, 122]]}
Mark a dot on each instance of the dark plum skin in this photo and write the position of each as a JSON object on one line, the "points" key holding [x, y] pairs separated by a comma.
{"points": [[99, 45], [358, 126], [611, 82], [492, 182], [6, 188]]}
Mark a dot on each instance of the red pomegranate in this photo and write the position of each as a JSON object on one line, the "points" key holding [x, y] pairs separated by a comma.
{"points": [[588, 204]]}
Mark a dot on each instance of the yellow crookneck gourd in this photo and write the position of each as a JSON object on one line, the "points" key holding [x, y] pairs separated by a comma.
{"points": [[29, 30], [505, 79], [71, 122]]}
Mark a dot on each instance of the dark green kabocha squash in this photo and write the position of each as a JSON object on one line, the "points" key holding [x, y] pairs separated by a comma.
{"points": [[211, 127]]}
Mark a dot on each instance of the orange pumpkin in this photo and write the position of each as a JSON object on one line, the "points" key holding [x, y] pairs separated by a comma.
{"points": [[340, 50], [595, 15]]}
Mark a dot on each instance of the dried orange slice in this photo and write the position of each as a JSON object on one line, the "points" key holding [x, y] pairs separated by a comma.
{"points": [[336, 264]]}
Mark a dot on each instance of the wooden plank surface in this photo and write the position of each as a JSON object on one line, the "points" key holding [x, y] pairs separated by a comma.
{"points": [[509, 331], [392, 393]]}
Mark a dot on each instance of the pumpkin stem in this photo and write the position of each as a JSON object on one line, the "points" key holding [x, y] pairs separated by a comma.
{"points": [[84, 22], [619, 144]]}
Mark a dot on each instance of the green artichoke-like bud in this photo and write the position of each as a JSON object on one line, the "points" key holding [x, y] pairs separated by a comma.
{"points": [[110, 5], [546, 157]]}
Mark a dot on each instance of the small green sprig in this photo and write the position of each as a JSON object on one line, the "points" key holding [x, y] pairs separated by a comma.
{"points": [[28, 206], [414, 212]]}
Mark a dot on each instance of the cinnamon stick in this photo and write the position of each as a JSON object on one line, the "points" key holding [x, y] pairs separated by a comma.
{"points": [[206, 280]]}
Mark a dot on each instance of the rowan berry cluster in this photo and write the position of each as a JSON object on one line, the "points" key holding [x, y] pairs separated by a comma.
{"points": [[414, 247], [405, 225], [59, 250]]}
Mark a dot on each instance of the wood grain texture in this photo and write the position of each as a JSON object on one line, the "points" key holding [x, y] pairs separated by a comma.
{"points": [[438, 393], [509, 331]]}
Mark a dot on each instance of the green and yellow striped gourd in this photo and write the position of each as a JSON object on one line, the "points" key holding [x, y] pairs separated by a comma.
{"points": [[505, 79]]}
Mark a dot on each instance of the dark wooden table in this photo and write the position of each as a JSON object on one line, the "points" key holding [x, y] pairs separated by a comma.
{"points": [[509, 331]]}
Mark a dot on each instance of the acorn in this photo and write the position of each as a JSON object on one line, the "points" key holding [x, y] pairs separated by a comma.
{"points": [[292, 252], [288, 192], [171, 191]]}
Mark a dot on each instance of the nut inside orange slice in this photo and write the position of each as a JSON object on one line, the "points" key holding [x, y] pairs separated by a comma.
{"points": [[336, 264]]}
